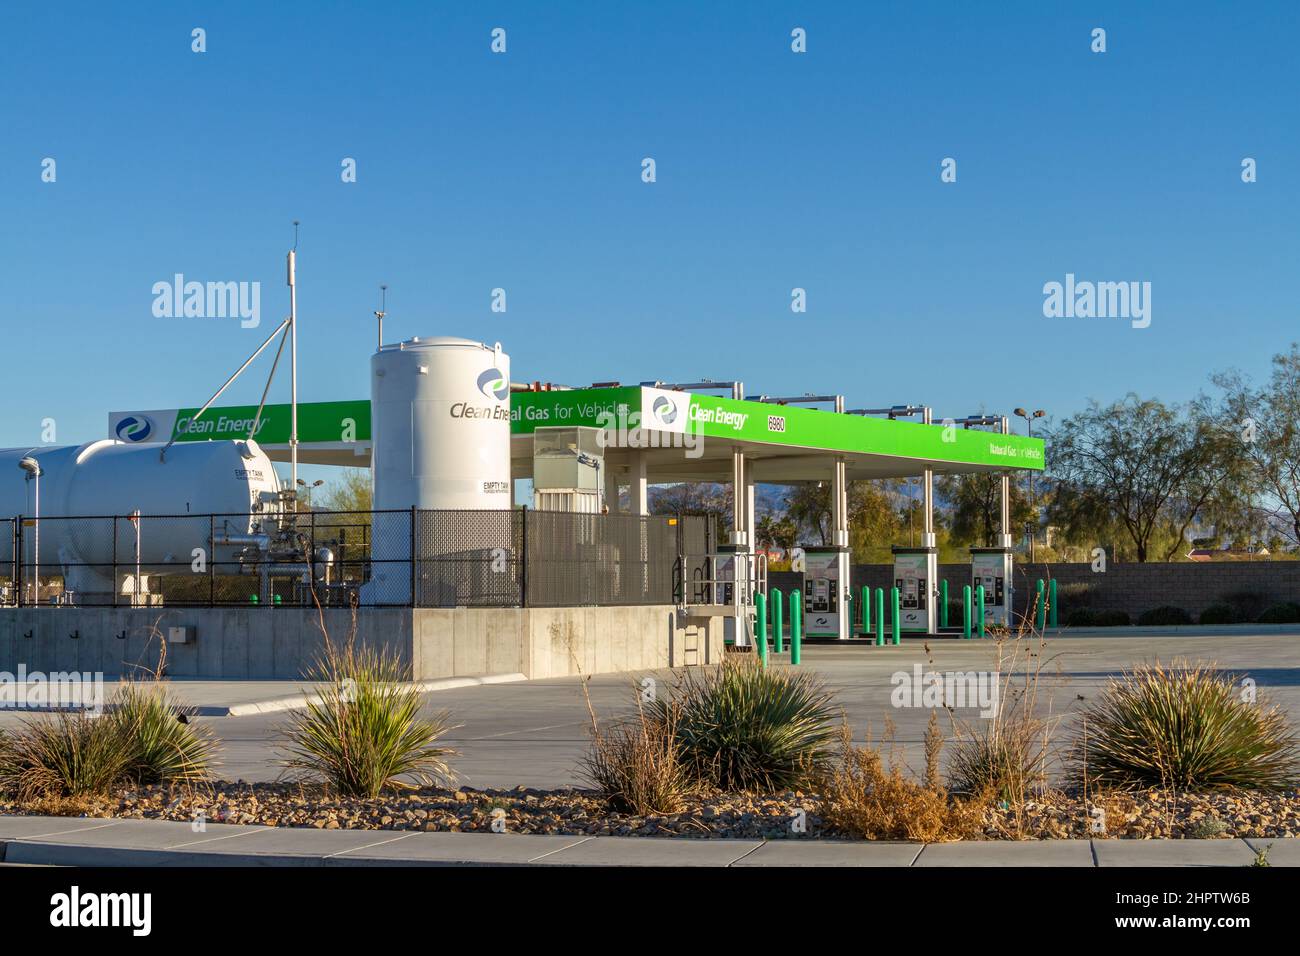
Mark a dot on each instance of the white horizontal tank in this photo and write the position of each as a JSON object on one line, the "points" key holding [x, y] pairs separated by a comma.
{"points": [[107, 478]]}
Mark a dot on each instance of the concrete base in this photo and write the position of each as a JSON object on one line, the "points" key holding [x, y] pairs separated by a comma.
{"points": [[282, 643]]}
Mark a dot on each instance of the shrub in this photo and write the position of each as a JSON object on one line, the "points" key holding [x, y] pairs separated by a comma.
{"points": [[1080, 617], [363, 731], [1248, 604], [1220, 614], [1166, 614], [742, 726], [1007, 762], [1111, 619], [864, 801], [1285, 613], [64, 755], [1078, 594], [162, 749], [636, 766], [1186, 728]]}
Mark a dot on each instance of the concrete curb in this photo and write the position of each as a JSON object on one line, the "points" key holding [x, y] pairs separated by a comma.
{"points": [[81, 841], [299, 701]]}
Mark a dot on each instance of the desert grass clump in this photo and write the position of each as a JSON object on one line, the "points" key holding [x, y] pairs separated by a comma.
{"points": [[164, 746], [1005, 760], [361, 731], [63, 756], [863, 799], [746, 727], [1189, 727], [635, 765]]}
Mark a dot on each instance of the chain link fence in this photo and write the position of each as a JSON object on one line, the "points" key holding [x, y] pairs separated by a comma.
{"points": [[8, 561], [515, 558]]}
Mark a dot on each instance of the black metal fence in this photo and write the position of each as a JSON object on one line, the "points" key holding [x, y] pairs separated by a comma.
{"points": [[515, 558]]}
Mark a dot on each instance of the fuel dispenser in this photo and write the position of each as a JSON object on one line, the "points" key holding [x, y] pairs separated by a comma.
{"points": [[826, 593], [916, 573], [992, 568]]}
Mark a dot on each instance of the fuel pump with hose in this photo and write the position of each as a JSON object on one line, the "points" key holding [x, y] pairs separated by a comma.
{"points": [[826, 592]]}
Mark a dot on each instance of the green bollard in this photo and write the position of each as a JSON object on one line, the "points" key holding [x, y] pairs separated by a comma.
{"points": [[796, 626], [897, 624], [1040, 618], [866, 612], [943, 603], [880, 617], [979, 610], [1051, 603], [778, 620], [760, 626], [965, 612]]}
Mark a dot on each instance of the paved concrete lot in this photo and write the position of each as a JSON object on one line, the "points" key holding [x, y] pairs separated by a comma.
{"points": [[533, 733], [47, 841]]}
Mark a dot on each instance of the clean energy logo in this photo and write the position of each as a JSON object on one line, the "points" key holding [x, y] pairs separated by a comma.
{"points": [[665, 410], [134, 428], [494, 385]]}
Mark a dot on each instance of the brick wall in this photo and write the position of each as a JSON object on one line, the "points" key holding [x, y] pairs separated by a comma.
{"points": [[1123, 587]]}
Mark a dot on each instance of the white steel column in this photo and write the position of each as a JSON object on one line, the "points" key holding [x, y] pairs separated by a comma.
{"points": [[611, 485], [927, 494], [1004, 539], [840, 538], [638, 491]]}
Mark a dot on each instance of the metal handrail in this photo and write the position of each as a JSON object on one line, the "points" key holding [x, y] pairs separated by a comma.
{"points": [[711, 589]]}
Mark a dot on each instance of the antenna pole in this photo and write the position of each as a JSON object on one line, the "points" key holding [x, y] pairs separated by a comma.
{"points": [[293, 362], [383, 301]]}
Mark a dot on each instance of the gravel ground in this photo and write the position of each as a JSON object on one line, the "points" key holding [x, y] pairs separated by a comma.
{"points": [[567, 811]]}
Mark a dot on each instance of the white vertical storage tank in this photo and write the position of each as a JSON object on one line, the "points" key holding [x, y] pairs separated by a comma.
{"points": [[440, 422]]}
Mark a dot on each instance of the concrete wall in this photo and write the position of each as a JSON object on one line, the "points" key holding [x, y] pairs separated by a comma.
{"points": [[282, 643], [1133, 588]]}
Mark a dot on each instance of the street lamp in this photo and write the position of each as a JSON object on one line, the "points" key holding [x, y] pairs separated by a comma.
{"points": [[310, 488], [1029, 425], [33, 469]]}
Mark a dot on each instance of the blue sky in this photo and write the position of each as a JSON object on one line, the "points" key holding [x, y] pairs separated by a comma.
{"points": [[775, 170]]}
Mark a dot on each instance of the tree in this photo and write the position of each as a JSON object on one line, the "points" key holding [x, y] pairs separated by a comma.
{"points": [[776, 531], [871, 512], [974, 504], [1266, 423], [1151, 468], [354, 491], [692, 498]]}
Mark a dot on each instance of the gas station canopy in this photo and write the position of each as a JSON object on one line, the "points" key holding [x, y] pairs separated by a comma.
{"points": [[673, 435]]}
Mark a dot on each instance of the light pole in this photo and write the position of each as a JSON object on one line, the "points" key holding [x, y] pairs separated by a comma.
{"points": [[1029, 425], [310, 488], [33, 469], [383, 299]]}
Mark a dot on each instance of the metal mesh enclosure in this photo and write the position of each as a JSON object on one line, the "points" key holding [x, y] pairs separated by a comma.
{"points": [[512, 558], [8, 561], [469, 558], [576, 559]]}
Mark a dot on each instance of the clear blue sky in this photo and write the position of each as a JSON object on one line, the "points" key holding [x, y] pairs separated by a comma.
{"points": [[775, 170]]}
